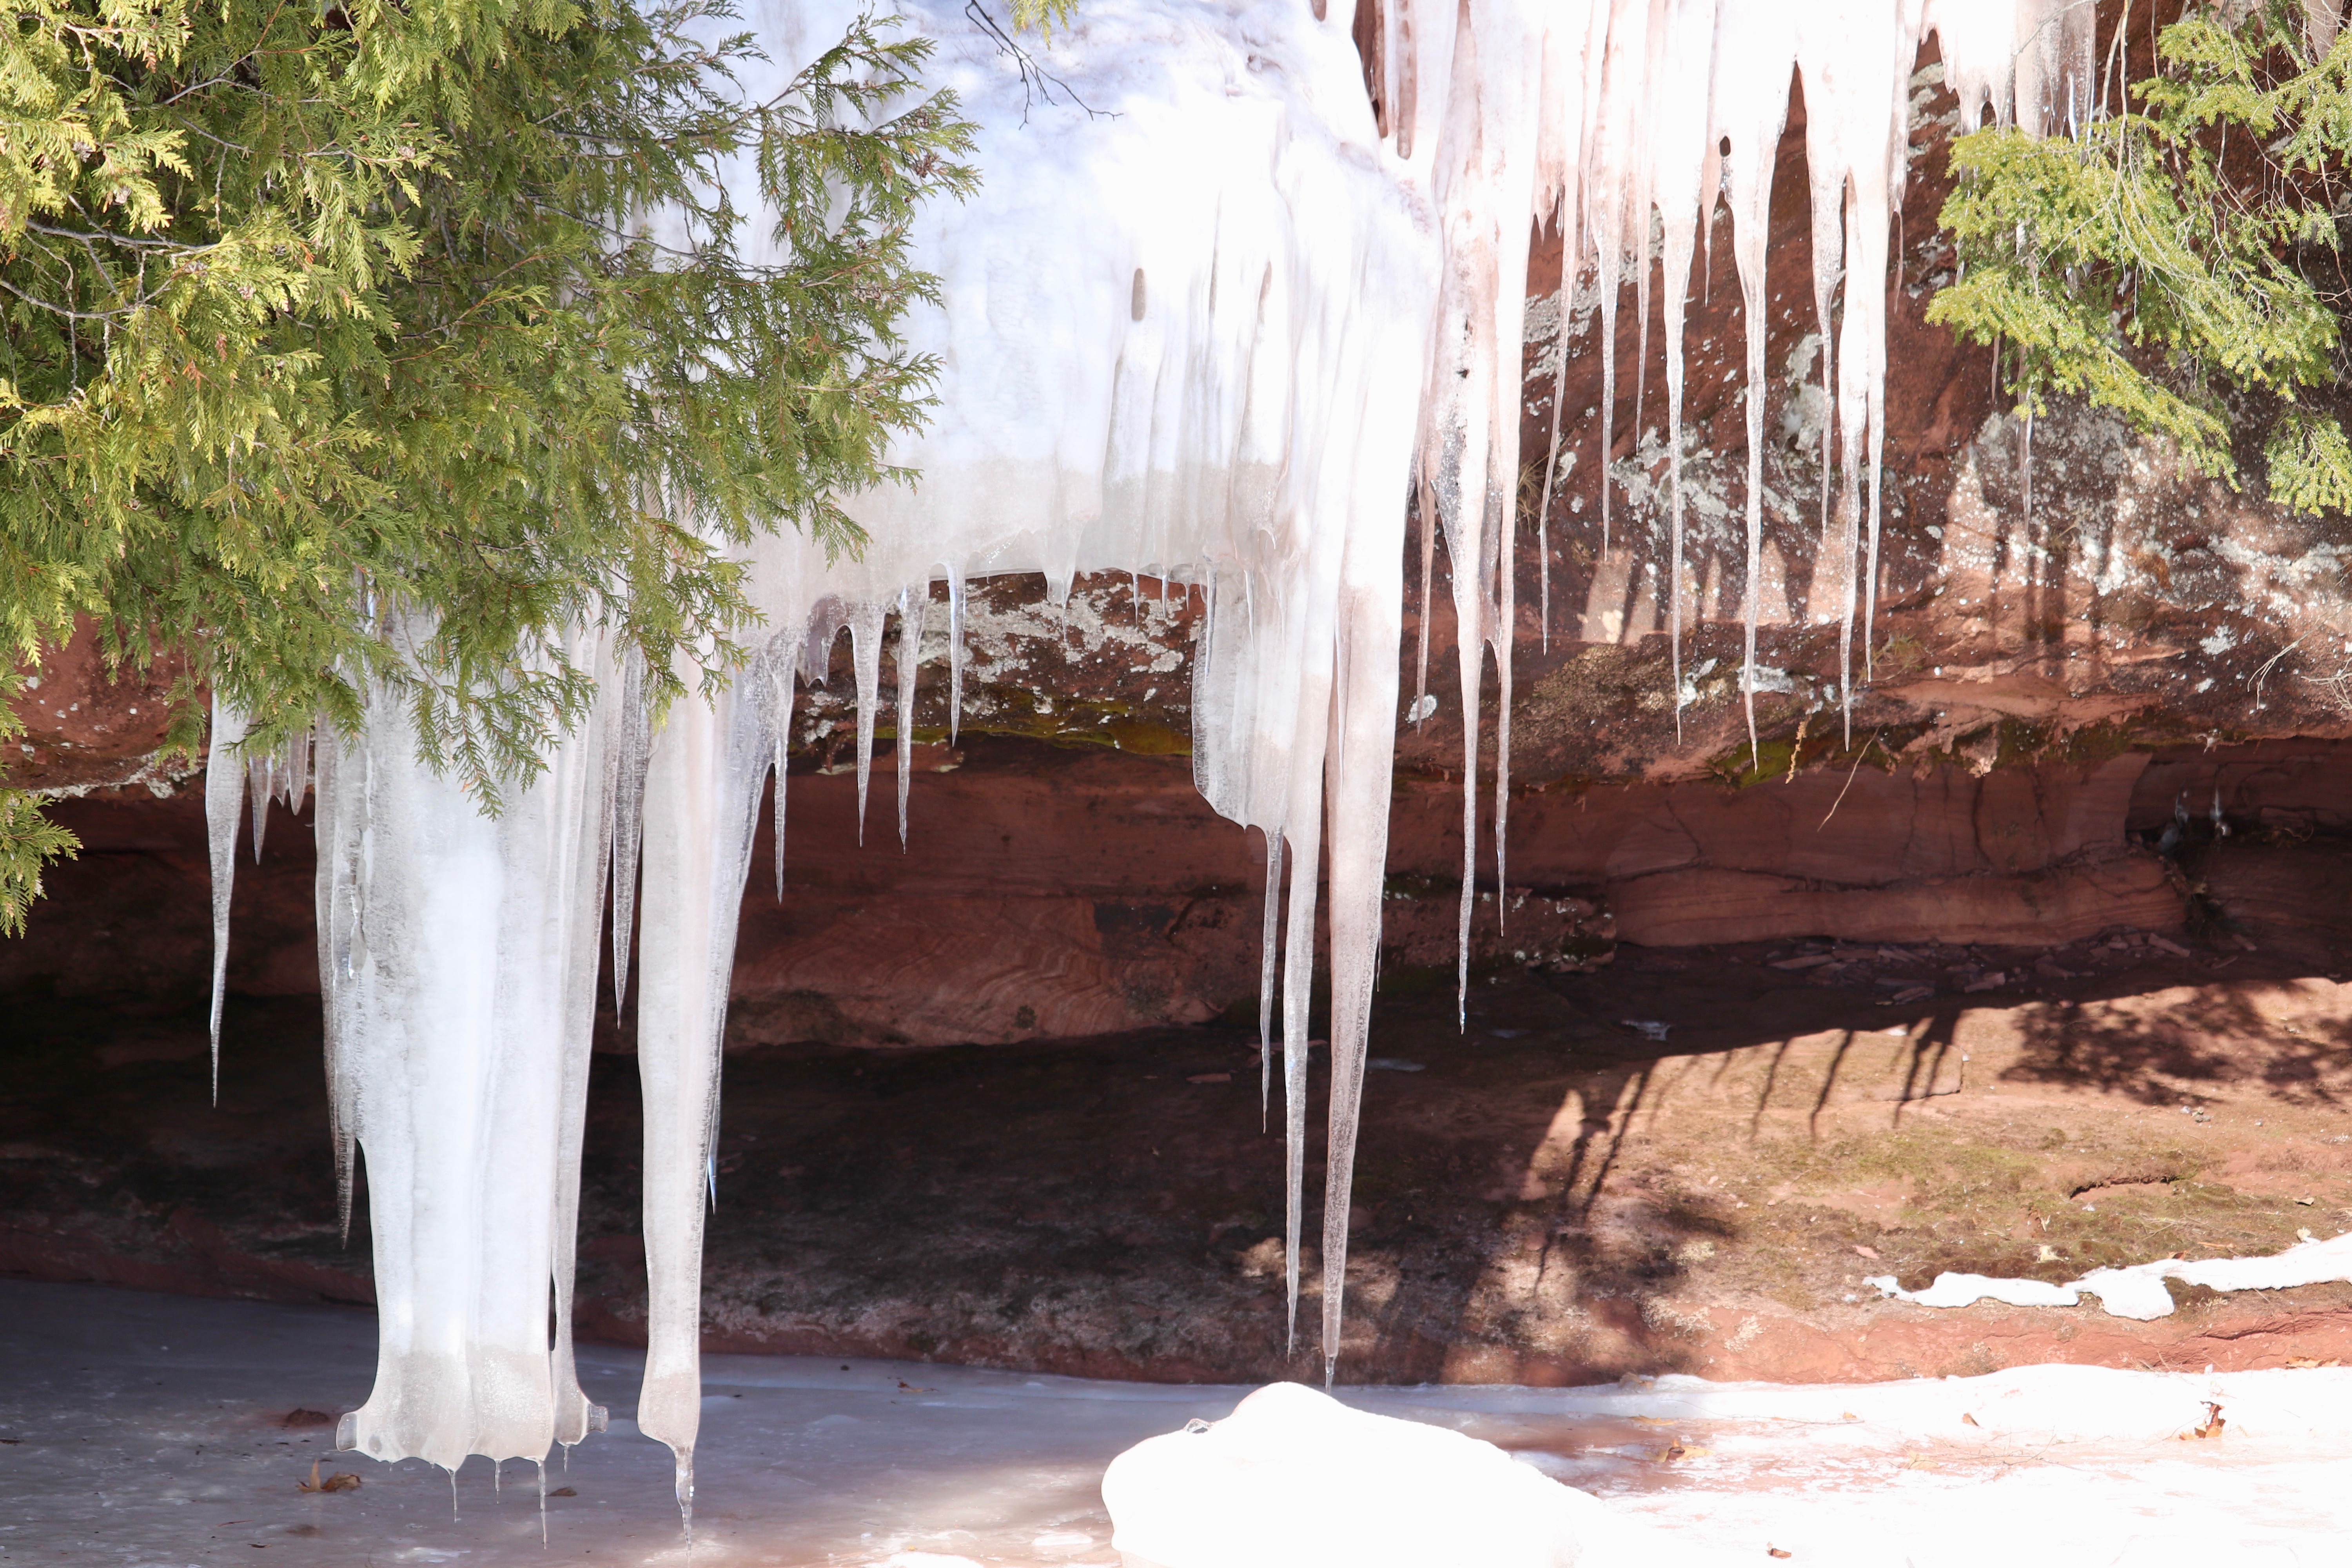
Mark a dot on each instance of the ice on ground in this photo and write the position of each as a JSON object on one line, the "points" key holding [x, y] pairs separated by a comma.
{"points": [[146, 1431], [1294, 1476], [2140, 1292]]}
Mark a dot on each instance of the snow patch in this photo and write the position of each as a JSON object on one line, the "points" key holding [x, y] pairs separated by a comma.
{"points": [[2139, 1292]]}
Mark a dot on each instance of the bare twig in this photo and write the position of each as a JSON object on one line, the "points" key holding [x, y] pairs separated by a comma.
{"points": [[1036, 81]]}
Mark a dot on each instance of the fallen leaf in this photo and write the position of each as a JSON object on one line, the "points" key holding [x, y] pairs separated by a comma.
{"points": [[1776, 1552], [2306, 1202], [563, 1491], [1211, 1077], [1918, 1463], [1848, 1415], [912, 1389], [2214, 1424], [1869, 1252], [1670, 1452], [342, 1481], [300, 1418], [1971, 1420]]}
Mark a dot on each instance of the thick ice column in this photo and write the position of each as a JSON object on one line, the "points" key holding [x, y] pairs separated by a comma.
{"points": [[460, 957], [702, 797]]}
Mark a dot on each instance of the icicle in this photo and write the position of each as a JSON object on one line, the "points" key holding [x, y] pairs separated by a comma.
{"points": [[1608, 287], [1501, 638], [297, 769], [1427, 511], [2026, 464], [1681, 165], [956, 648], [866, 656], [1297, 977], [1267, 931], [542, 1496], [779, 698], [634, 745], [914, 608], [1551, 464], [261, 787], [1472, 648], [224, 804], [1752, 120]]}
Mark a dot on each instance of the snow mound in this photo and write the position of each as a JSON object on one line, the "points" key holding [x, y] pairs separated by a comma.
{"points": [[1293, 1479]]}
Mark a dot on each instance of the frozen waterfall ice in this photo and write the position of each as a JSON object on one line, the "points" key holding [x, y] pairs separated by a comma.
{"points": [[1215, 313]]}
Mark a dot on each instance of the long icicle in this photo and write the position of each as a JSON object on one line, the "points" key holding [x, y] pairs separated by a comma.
{"points": [[1426, 506], [1269, 932], [224, 807], [1606, 265], [1503, 525], [631, 747], [865, 659], [1752, 307], [1297, 977], [1568, 272], [261, 787], [914, 608], [782, 670], [956, 652]]}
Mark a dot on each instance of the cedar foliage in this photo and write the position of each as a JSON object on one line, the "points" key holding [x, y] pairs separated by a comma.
{"points": [[324, 319], [2179, 261]]}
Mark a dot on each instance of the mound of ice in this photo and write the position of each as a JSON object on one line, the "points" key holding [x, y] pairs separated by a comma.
{"points": [[1293, 1479]]}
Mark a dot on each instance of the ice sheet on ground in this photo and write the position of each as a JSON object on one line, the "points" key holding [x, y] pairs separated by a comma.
{"points": [[2139, 1292], [144, 1432]]}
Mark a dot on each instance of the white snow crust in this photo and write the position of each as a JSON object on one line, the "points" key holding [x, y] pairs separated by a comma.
{"points": [[1208, 320], [2139, 1292], [144, 1431]]}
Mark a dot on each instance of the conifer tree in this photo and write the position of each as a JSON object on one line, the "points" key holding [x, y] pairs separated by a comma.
{"points": [[311, 312], [2175, 255]]}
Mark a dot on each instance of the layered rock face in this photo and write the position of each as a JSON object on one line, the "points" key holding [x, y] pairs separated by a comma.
{"points": [[2100, 692]]}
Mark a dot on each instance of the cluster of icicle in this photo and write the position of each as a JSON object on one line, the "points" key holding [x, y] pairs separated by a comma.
{"points": [[1212, 320]]}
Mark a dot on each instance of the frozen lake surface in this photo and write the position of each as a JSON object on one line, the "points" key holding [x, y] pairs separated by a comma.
{"points": [[146, 1431]]}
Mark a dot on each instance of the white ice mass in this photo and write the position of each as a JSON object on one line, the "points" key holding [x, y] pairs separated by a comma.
{"points": [[1295, 1477], [1211, 317]]}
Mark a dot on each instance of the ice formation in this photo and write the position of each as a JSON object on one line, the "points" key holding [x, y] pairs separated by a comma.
{"points": [[1294, 1476], [1216, 313], [2140, 1292]]}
